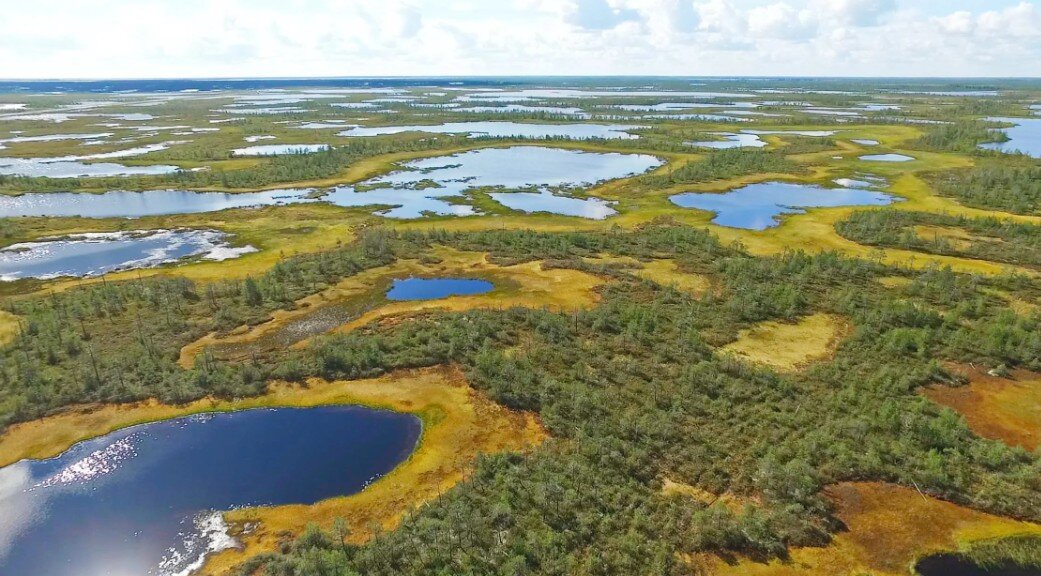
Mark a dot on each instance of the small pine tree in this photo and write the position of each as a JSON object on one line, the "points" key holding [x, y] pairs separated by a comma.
{"points": [[253, 295]]}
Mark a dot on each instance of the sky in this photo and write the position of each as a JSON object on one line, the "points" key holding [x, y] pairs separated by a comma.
{"points": [[293, 38]]}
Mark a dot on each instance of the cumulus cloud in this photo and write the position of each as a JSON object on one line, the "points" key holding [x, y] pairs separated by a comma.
{"points": [[781, 20], [148, 38], [855, 12], [599, 15]]}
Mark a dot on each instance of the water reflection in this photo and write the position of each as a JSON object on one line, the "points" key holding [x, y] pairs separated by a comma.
{"points": [[96, 253], [123, 204], [147, 499], [759, 206], [546, 201], [1024, 136], [505, 130], [438, 185], [436, 288]]}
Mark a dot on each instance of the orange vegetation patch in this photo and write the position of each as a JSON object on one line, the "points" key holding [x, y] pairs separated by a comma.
{"points": [[995, 407], [889, 528]]}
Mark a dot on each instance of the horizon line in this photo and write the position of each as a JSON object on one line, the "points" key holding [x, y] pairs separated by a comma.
{"points": [[509, 76]]}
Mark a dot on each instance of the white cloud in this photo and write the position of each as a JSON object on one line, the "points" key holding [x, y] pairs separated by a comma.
{"points": [[149, 38], [599, 15], [854, 12], [960, 22], [781, 20]]}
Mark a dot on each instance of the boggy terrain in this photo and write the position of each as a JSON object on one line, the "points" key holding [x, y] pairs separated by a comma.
{"points": [[641, 388]]}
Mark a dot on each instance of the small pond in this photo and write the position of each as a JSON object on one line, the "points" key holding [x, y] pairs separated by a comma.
{"points": [[92, 254], [731, 140], [506, 130], [546, 201], [276, 149], [1024, 137], [759, 206], [145, 500], [438, 185], [886, 158], [436, 288]]}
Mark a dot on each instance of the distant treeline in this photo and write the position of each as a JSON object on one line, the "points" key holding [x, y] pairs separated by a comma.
{"points": [[724, 164], [964, 136], [995, 187], [993, 239]]}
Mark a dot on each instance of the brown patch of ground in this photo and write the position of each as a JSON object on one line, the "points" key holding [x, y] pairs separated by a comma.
{"points": [[995, 407], [894, 281], [701, 495], [788, 347], [8, 327], [956, 237], [662, 271], [889, 528]]}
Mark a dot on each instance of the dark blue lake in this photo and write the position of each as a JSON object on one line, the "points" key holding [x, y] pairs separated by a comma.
{"points": [[434, 288], [758, 206], [144, 500]]}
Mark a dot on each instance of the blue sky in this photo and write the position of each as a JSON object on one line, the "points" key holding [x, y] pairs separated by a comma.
{"points": [[180, 38]]}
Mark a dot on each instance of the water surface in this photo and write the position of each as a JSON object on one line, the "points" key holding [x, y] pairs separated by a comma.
{"points": [[123, 204], [276, 149], [546, 201], [759, 206], [63, 169], [438, 185], [731, 140], [96, 253], [505, 130], [436, 288], [518, 108], [1024, 137], [78, 166], [886, 158], [143, 500]]}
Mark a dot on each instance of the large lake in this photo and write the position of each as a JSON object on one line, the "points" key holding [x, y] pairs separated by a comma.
{"points": [[438, 185], [123, 204], [759, 206], [420, 188], [1024, 137], [506, 130], [146, 500]]}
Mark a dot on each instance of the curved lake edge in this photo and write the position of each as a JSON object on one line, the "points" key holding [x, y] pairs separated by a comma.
{"points": [[455, 420], [151, 411], [382, 164], [181, 416]]}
